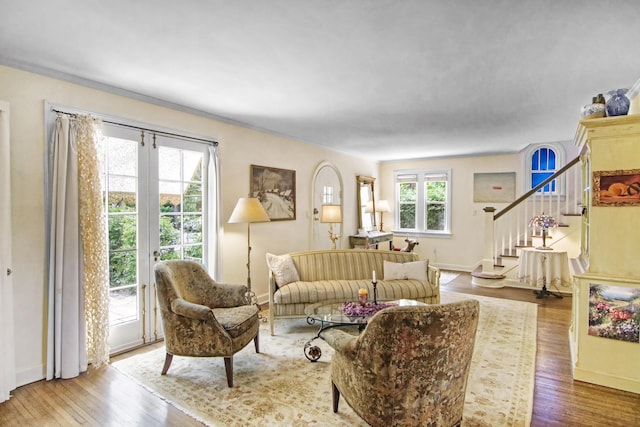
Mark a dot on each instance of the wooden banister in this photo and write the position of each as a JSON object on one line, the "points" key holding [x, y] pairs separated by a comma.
{"points": [[536, 188]]}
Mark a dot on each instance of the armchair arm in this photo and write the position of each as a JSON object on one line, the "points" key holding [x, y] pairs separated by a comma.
{"points": [[433, 274], [341, 341], [191, 310]]}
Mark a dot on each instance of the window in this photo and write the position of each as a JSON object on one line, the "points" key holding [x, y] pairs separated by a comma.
{"points": [[423, 201], [543, 163]]}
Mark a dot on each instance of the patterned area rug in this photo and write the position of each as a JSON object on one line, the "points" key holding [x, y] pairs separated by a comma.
{"points": [[447, 276], [280, 387]]}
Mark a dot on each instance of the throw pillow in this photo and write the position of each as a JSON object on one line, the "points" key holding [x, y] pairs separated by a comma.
{"points": [[416, 270], [283, 268]]}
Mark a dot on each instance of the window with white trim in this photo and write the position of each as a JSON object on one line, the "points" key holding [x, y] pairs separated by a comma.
{"points": [[543, 162], [423, 201]]}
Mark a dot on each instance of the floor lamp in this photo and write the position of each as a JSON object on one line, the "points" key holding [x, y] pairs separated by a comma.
{"points": [[331, 214], [248, 210]]}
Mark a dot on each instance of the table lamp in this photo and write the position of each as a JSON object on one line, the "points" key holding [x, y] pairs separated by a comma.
{"points": [[331, 214], [382, 206], [545, 222]]}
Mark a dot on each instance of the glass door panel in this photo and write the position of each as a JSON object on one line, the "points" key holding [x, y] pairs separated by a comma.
{"points": [[154, 196]]}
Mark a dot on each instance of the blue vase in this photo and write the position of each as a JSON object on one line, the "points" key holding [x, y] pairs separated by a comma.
{"points": [[618, 103]]}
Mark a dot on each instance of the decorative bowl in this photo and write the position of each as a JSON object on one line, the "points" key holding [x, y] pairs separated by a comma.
{"points": [[592, 111]]}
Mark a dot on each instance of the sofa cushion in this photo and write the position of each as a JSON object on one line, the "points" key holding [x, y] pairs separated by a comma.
{"points": [[409, 270], [282, 268]]}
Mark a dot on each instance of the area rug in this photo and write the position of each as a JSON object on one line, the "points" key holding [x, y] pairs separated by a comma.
{"points": [[280, 387], [447, 276]]}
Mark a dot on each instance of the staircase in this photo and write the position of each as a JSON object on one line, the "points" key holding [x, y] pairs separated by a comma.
{"points": [[507, 231]]}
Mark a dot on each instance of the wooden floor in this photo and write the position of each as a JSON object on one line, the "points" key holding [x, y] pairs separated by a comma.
{"points": [[106, 397]]}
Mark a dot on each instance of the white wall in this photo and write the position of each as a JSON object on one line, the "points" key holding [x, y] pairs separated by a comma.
{"points": [[239, 147], [463, 250]]}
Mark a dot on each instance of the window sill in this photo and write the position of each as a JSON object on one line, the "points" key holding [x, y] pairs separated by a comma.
{"points": [[431, 234]]}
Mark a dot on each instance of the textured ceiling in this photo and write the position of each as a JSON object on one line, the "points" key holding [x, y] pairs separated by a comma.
{"points": [[381, 79]]}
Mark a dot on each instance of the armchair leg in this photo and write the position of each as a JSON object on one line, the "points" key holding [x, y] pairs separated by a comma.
{"points": [[256, 341], [167, 362], [335, 393], [228, 366]]}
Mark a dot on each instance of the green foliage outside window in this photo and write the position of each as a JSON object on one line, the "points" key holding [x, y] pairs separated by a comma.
{"points": [[436, 197], [408, 197]]}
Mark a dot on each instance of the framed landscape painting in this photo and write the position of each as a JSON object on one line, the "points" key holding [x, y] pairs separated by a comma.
{"points": [[276, 190], [613, 312], [497, 187]]}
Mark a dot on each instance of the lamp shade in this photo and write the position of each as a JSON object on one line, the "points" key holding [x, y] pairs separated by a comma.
{"points": [[369, 207], [383, 206], [331, 214], [248, 209], [543, 221]]}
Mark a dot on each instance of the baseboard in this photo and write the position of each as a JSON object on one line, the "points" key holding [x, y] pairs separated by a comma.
{"points": [[607, 380], [30, 375]]}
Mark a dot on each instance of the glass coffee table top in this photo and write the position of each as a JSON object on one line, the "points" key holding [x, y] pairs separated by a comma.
{"points": [[339, 313]]}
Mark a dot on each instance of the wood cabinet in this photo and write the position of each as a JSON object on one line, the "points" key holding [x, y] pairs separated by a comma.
{"points": [[609, 262]]}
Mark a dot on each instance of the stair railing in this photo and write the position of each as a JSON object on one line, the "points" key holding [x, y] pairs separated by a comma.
{"points": [[508, 230]]}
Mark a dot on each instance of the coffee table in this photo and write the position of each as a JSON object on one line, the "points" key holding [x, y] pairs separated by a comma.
{"points": [[329, 315]]}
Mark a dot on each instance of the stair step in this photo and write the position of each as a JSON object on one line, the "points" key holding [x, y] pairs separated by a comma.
{"points": [[510, 253]]}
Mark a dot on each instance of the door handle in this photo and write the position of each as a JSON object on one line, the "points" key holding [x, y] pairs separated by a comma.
{"points": [[156, 256]]}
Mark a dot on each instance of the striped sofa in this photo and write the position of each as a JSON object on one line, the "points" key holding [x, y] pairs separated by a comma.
{"points": [[337, 275]]}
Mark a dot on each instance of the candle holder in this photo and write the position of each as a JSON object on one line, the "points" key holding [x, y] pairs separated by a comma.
{"points": [[375, 291]]}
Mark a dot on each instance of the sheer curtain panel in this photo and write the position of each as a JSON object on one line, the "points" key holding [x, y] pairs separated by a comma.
{"points": [[78, 269], [7, 355], [215, 213]]}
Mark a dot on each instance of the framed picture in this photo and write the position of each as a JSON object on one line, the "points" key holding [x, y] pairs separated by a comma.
{"points": [[612, 312], [494, 187], [616, 188], [276, 190]]}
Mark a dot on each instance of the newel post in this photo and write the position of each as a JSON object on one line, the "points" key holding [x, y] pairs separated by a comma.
{"points": [[488, 253]]}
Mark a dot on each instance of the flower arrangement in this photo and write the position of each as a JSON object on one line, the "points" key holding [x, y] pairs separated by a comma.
{"points": [[356, 309]]}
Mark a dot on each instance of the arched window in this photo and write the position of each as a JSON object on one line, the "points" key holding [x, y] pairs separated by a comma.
{"points": [[542, 162]]}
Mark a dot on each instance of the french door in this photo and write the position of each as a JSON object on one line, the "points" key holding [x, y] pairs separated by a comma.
{"points": [[154, 193]]}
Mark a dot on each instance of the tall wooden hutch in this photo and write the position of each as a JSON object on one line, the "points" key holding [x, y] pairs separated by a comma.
{"points": [[610, 252]]}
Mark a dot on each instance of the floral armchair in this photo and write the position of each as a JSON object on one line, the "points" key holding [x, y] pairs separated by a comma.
{"points": [[203, 318], [409, 367]]}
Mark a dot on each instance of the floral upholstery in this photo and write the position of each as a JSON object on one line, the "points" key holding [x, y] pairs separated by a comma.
{"points": [[201, 317], [409, 367]]}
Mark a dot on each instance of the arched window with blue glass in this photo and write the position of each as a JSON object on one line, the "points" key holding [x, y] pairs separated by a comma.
{"points": [[544, 162]]}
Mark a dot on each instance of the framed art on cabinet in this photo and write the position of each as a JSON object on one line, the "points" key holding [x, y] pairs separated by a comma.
{"points": [[276, 190], [616, 188], [612, 312]]}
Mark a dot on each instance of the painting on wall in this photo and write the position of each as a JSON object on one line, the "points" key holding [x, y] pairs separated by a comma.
{"points": [[494, 187], [614, 312], [276, 190], [616, 188]]}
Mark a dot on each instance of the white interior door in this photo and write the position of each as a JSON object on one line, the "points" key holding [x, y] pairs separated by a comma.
{"points": [[327, 189], [154, 193], [7, 355]]}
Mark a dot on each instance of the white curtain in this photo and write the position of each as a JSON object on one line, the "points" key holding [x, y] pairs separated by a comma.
{"points": [[215, 211], [78, 269], [7, 355]]}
